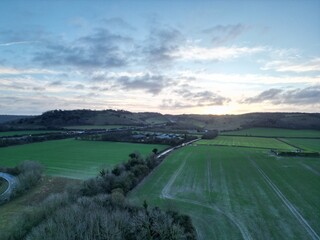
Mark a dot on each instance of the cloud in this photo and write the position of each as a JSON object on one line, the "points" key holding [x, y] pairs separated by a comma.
{"points": [[153, 84], [39, 88], [147, 81], [16, 43], [101, 49], [174, 104], [56, 83], [305, 96], [18, 71], [195, 53], [31, 35], [203, 97], [118, 22], [267, 95], [162, 42], [312, 65], [222, 34], [205, 77], [79, 87], [189, 99]]}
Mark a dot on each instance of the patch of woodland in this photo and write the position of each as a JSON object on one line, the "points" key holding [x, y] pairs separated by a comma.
{"points": [[98, 209], [210, 134]]}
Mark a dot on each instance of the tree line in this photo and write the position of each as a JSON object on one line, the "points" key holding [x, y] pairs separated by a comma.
{"points": [[98, 209], [18, 140]]}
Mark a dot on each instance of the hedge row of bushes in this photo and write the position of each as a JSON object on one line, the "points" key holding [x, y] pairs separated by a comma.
{"points": [[11, 141], [62, 217], [98, 210], [123, 177]]}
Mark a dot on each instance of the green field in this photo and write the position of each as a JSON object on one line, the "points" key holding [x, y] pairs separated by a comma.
{"points": [[238, 193], [3, 185], [254, 142], [306, 144], [274, 132], [73, 158], [83, 127], [28, 132]]}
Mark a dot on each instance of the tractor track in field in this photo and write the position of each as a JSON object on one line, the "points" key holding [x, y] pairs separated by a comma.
{"points": [[199, 233], [165, 191], [288, 204], [165, 194], [310, 169], [209, 174]]}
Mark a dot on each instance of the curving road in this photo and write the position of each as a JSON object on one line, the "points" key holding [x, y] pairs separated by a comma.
{"points": [[12, 184]]}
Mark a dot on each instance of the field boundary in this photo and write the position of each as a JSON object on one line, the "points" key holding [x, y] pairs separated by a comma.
{"points": [[290, 144], [238, 146], [261, 136]]}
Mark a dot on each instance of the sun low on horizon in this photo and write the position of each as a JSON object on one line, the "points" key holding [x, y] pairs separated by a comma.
{"points": [[176, 57]]}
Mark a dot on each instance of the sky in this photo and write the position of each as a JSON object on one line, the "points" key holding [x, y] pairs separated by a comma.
{"points": [[199, 57]]}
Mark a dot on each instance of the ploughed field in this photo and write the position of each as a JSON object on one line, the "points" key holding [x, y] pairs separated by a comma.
{"points": [[74, 158], [240, 192]]}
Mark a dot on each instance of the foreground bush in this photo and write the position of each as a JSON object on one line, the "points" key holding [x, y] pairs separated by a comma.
{"points": [[103, 217], [98, 210], [27, 175], [124, 176], [100, 217], [30, 173]]}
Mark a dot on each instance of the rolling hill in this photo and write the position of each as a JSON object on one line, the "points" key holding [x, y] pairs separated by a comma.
{"points": [[62, 118]]}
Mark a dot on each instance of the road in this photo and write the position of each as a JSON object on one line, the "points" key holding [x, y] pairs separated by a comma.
{"points": [[12, 184], [174, 148]]}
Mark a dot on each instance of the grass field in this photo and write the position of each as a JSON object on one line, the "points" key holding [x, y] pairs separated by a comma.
{"points": [[3, 185], [29, 132], [83, 127], [306, 144], [238, 193], [274, 132], [255, 142], [73, 158]]}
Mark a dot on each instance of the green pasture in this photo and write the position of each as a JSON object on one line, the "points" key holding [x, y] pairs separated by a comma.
{"points": [[28, 132], [73, 158], [254, 142], [227, 197], [274, 132], [306, 144], [84, 127]]}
